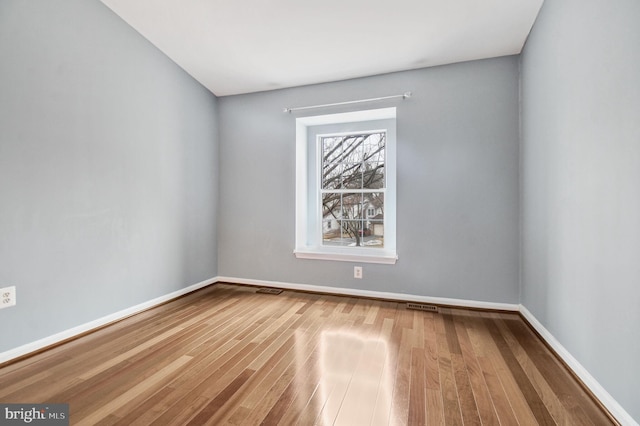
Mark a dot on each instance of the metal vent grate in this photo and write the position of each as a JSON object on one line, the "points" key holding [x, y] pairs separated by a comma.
{"points": [[422, 307], [269, 290]]}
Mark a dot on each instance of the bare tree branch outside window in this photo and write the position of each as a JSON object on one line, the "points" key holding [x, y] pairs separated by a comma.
{"points": [[353, 185]]}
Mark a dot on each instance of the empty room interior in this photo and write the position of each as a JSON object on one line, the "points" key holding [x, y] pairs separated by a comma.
{"points": [[409, 212]]}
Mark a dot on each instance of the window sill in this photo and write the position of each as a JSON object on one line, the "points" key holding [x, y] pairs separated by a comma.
{"points": [[382, 257]]}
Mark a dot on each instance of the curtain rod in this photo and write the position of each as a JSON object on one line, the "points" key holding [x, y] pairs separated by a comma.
{"points": [[405, 95]]}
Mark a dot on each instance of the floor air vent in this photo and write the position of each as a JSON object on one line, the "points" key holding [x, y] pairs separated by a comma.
{"points": [[269, 290], [422, 307]]}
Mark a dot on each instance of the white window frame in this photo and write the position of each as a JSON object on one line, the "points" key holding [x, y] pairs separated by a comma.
{"points": [[308, 214]]}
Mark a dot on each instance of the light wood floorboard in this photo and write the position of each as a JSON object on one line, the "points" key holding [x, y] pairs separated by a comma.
{"points": [[228, 355]]}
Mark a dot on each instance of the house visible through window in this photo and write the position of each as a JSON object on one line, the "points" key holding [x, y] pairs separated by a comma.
{"points": [[345, 187]]}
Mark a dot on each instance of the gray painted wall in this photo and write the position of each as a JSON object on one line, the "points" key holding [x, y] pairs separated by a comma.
{"points": [[108, 168], [109, 178], [457, 194], [580, 200]]}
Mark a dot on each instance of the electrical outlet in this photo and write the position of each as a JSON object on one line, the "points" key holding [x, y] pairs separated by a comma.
{"points": [[7, 297], [357, 272]]}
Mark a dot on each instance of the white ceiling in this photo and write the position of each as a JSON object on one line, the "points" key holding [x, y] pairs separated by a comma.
{"points": [[242, 46]]}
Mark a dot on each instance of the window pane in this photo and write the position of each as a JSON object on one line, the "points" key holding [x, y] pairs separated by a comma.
{"points": [[330, 231], [353, 150], [374, 234], [331, 149], [374, 225], [331, 175], [331, 164], [373, 176], [374, 147], [352, 232], [352, 176], [375, 201], [352, 206], [331, 205]]}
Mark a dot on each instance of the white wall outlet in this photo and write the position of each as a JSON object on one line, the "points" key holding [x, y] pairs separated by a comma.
{"points": [[7, 297], [357, 272]]}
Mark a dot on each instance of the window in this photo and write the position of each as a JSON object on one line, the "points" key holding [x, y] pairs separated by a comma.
{"points": [[345, 186], [353, 178]]}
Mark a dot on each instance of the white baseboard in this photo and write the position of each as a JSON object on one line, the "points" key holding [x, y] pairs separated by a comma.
{"points": [[605, 398], [83, 328], [463, 303]]}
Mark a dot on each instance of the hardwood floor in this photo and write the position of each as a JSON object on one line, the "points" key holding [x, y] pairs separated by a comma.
{"points": [[228, 355]]}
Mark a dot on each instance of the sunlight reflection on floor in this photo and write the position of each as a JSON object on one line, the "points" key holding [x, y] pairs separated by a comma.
{"points": [[354, 378]]}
